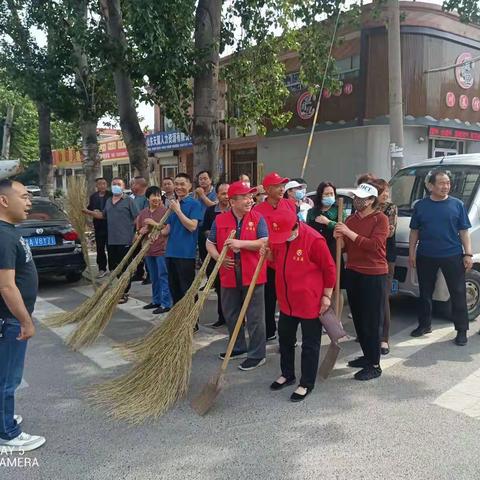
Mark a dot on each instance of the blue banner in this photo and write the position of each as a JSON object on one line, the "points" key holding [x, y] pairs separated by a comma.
{"points": [[160, 141]]}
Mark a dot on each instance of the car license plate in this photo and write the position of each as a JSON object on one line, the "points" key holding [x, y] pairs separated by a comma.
{"points": [[43, 241], [394, 289]]}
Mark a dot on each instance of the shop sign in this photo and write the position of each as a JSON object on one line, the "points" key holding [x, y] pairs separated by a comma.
{"points": [[453, 133], [463, 102], [305, 106], [348, 89], [450, 99], [464, 72], [476, 104], [161, 141]]}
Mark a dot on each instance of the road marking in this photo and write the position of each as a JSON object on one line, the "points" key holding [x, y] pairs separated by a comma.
{"points": [[403, 345], [101, 353]]}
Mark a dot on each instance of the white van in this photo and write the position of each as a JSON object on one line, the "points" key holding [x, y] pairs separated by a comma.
{"points": [[407, 187]]}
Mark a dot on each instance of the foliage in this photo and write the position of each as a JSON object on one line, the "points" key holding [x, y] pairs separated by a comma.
{"points": [[469, 10]]}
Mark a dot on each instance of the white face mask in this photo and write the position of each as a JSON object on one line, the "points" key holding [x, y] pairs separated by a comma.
{"points": [[293, 236]]}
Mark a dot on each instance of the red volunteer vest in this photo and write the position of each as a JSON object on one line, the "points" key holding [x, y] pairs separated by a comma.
{"points": [[226, 222]]}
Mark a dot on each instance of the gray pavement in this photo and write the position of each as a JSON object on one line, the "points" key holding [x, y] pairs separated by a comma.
{"points": [[390, 428]]}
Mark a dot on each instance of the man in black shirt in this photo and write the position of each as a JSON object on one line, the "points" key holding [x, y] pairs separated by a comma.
{"points": [[18, 292], [210, 215], [97, 202]]}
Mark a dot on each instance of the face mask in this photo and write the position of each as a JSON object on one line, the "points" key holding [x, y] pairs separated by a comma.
{"points": [[300, 194], [293, 236], [328, 201], [117, 190], [360, 204]]}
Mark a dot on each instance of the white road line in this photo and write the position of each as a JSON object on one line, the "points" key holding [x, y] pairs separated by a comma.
{"points": [[101, 353], [134, 306], [402, 344]]}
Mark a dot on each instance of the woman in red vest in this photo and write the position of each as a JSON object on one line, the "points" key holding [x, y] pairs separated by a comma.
{"points": [[237, 271], [305, 277]]}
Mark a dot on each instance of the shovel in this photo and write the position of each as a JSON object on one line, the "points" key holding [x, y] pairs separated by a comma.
{"points": [[331, 356], [205, 400]]}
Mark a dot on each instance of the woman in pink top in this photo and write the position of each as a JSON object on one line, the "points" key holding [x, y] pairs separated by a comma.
{"points": [[155, 260]]}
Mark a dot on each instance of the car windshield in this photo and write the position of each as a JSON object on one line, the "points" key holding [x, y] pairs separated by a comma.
{"points": [[408, 185], [45, 211]]}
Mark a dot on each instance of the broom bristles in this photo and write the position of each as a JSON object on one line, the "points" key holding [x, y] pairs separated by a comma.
{"points": [[82, 310], [161, 377], [75, 202], [153, 341], [93, 325]]}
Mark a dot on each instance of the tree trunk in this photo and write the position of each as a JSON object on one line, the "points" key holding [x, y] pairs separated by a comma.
{"points": [[91, 158], [205, 133], [131, 130], [45, 144], [7, 132], [88, 115]]}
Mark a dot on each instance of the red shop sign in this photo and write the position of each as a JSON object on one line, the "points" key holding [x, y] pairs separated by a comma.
{"points": [[450, 99], [454, 134]]}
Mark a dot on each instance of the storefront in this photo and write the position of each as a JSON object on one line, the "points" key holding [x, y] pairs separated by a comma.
{"points": [[441, 108]]}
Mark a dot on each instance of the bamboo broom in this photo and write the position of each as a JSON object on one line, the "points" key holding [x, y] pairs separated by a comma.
{"points": [[82, 310], [95, 323], [161, 378], [76, 201], [140, 348], [205, 400]]}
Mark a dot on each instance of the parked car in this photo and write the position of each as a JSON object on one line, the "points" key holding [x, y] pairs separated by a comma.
{"points": [[407, 187], [54, 243], [34, 190]]}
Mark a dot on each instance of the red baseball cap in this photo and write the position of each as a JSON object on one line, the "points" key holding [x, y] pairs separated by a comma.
{"points": [[282, 226], [273, 178], [239, 188]]}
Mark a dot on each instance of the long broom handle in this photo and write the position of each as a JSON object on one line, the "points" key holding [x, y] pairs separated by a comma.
{"points": [[338, 259], [242, 313], [213, 275]]}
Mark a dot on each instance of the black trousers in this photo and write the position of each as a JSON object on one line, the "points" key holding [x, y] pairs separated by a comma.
{"points": [[202, 245], [366, 296], [454, 272], [311, 338], [101, 244], [116, 253], [270, 303], [218, 290], [181, 273], [140, 273]]}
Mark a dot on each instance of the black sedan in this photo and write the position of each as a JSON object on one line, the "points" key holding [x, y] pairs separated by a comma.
{"points": [[54, 243]]}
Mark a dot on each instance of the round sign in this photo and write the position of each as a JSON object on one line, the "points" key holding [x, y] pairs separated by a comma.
{"points": [[463, 102], [337, 93], [464, 72], [476, 104], [305, 106], [450, 99], [326, 93], [348, 89]]}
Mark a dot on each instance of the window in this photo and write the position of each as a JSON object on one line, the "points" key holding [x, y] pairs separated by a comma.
{"points": [[44, 210], [124, 172], [292, 82], [348, 67], [107, 173], [408, 185], [169, 171]]}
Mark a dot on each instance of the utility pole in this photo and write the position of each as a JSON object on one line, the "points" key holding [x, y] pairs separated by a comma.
{"points": [[395, 86], [7, 133]]}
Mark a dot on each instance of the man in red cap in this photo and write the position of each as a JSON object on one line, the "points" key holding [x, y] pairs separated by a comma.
{"points": [[273, 206], [304, 283], [237, 271]]}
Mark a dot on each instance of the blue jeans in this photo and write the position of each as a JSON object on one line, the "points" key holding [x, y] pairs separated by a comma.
{"points": [[157, 270], [12, 359]]}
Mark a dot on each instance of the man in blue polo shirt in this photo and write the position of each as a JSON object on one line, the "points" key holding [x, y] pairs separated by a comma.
{"points": [[182, 231], [439, 239]]}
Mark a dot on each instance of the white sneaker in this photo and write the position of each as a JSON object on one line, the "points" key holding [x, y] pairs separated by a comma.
{"points": [[23, 443], [18, 418], [101, 274]]}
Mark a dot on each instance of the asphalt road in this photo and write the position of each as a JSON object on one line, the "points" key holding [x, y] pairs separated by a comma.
{"points": [[420, 420]]}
